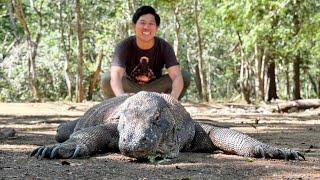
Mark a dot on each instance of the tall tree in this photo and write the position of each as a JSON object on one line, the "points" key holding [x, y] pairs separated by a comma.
{"points": [[245, 69], [176, 31], [79, 78], [318, 80], [65, 47], [260, 64], [271, 54], [297, 55], [95, 77], [32, 45], [200, 66], [272, 86], [12, 20]]}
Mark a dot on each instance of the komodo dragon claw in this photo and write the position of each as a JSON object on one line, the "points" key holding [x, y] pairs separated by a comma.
{"points": [[277, 153], [293, 155], [43, 152], [68, 150], [76, 152], [289, 154], [54, 152]]}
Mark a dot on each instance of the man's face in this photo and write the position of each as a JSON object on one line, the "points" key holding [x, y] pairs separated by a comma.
{"points": [[146, 28]]}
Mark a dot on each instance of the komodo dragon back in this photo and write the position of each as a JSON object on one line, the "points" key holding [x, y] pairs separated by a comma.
{"points": [[102, 113]]}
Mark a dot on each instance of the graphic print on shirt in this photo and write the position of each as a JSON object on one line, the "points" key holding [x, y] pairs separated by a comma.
{"points": [[142, 73]]}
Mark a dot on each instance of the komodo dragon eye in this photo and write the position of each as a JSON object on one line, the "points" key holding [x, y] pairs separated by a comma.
{"points": [[155, 118], [160, 121]]}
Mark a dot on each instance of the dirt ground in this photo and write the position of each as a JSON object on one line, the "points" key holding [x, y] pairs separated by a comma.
{"points": [[35, 125]]}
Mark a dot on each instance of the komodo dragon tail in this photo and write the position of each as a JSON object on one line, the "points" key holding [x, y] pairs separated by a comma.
{"points": [[233, 142]]}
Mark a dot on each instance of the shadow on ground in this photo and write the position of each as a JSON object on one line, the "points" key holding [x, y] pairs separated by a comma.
{"points": [[295, 132]]}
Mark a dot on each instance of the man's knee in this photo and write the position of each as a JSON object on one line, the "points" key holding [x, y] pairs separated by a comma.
{"points": [[186, 78], [106, 86], [105, 79]]}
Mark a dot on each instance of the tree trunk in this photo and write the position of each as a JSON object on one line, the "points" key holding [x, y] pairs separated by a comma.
{"points": [[260, 59], [32, 48], [287, 79], [202, 74], [296, 77], [244, 82], [244, 74], [319, 86], [272, 89], [66, 49], [297, 57], [209, 85], [318, 81], [176, 31], [198, 81], [95, 77], [12, 20], [312, 81], [131, 9], [79, 78], [188, 66]]}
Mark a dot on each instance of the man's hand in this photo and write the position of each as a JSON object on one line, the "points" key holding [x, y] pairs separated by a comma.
{"points": [[142, 79], [116, 73], [127, 94], [177, 81]]}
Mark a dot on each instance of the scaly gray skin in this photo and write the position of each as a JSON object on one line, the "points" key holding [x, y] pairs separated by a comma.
{"points": [[150, 124]]}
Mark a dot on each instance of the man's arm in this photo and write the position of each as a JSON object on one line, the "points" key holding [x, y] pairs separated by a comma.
{"points": [[116, 73], [177, 80]]}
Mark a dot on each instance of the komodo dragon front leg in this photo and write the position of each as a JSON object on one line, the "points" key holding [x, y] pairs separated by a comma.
{"points": [[65, 130], [234, 142], [82, 143]]}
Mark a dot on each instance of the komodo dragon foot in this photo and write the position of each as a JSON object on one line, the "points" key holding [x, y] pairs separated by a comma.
{"points": [[81, 143], [234, 142], [62, 150], [270, 152]]}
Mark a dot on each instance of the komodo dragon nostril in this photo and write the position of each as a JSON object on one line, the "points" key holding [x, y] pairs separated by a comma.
{"points": [[144, 139]]}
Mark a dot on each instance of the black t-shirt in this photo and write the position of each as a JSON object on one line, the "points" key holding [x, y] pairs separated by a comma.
{"points": [[144, 62]]}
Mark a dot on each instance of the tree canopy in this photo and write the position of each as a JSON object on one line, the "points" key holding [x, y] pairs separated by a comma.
{"points": [[253, 50]]}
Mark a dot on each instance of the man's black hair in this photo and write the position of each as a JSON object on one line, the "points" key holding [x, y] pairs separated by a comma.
{"points": [[145, 10]]}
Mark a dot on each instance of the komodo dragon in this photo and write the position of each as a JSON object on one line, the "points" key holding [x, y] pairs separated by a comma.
{"points": [[150, 124]]}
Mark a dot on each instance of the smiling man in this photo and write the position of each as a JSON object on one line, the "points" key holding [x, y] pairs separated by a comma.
{"points": [[139, 60]]}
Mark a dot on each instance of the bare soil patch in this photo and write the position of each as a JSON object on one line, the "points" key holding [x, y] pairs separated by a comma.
{"points": [[35, 125]]}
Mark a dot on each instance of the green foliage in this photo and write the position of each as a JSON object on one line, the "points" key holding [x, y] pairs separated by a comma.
{"points": [[268, 23]]}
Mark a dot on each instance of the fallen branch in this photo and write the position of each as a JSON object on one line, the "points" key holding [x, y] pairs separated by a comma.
{"points": [[296, 105]]}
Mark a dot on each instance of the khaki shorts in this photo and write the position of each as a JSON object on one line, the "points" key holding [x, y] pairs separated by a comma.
{"points": [[161, 85]]}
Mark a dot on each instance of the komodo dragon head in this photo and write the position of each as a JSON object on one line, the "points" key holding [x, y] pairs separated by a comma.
{"points": [[147, 127]]}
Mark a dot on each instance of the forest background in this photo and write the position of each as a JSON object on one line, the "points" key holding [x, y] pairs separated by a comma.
{"points": [[235, 50]]}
